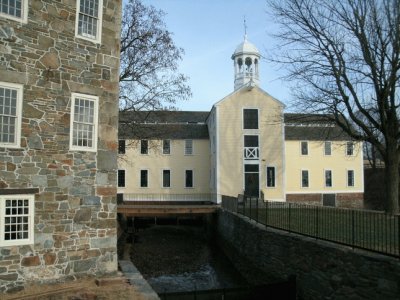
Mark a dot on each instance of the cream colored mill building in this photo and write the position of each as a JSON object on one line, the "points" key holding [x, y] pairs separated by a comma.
{"points": [[246, 144]]}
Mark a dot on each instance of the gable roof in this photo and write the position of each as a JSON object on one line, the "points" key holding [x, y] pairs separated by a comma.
{"points": [[314, 127], [163, 125]]}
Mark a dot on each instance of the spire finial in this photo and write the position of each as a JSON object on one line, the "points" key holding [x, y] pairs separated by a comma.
{"points": [[245, 28]]}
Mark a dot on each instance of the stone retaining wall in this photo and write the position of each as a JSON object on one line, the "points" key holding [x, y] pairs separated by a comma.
{"points": [[324, 270]]}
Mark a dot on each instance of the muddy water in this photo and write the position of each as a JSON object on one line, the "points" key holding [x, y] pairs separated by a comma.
{"points": [[179, 258]]}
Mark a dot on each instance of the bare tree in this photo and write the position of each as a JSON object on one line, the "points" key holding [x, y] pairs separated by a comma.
{"points": [[344, 57], [149, 61]]}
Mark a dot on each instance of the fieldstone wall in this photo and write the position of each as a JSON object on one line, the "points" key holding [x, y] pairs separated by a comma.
{"points": [[346, 200], [324, 270], [75, 203]]}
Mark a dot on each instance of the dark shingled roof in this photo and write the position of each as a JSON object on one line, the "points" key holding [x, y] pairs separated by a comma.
{"points": [[163, 125], [313, 127], [191, 125]]}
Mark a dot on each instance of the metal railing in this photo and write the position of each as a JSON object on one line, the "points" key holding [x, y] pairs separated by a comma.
{"points": [[363, 229], [251, 152], [198, 197]]}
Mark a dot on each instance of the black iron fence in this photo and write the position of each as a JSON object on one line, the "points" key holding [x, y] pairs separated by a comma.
{"points": [[364, 229]]}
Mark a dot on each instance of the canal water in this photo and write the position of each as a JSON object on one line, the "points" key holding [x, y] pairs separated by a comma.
{"points": [[178, 258]]}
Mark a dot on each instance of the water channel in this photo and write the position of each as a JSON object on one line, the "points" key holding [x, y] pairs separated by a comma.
{"points": [[177, 258]]}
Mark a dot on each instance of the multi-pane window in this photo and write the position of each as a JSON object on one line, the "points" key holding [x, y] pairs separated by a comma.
{"points": [[166, 178], [166, 146], [121, 178], [349, 148], [188, 147], [121, 146], [10, 114], [84, 122], [144, 147], [144, 180], [328, 148], [350, 178], [304, 178], [250, 118], [304, 148], [14, 9], [189, 178], [16, 219], [270, 176], [328, 178], [88, 22]]}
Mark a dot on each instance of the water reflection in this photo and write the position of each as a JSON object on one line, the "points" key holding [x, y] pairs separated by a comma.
{"points": [[179, 258]]}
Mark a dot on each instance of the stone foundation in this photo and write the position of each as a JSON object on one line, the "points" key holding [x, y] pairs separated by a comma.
{"points": [[345, 200]]}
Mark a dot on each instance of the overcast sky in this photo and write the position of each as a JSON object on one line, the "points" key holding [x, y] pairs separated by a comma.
{"points": [[209, 31]]}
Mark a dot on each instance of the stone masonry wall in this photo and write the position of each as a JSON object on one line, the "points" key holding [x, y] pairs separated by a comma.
{"points": [[324, 270], [346, 200], [75, 206]]}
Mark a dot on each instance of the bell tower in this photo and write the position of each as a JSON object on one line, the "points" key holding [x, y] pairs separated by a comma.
{"points": [[246, 59]]}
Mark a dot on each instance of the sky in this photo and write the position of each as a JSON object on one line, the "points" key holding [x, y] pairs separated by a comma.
{"points": [[209, 31]]}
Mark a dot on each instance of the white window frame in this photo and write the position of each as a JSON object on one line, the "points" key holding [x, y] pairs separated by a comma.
{"points": [[347, 178], [97, 38], [95, 99], [19, 88], [30, 215], [328, 170], [330, 148], [162, 179], [124, 178], [24, 13], [147, 147], [301, 178], [164, 153], [189, 187], [301, 148], [140, 179], [352, 148], [258, 118], [266, 177], [187, 148]]}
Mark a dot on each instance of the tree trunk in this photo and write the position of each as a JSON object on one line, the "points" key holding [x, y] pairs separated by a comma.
{"points": [[392, 180]]}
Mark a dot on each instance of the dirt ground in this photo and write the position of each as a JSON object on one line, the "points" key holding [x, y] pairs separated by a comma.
{"points": [[82, 289]]}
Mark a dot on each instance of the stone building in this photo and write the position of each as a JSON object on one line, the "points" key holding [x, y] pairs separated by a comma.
{"points": [[246, 144], [59, 65]]}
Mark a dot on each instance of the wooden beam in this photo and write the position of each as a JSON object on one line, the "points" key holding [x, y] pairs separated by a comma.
{"points": [[165, 210]]}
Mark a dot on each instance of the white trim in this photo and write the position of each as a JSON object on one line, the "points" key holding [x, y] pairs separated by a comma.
{"points": [[308, 179], [258, 118], [362, 166], [324, 177], [162, 146], [184, 179], [266, 177], [20, 94], [31, 220], [184, 149], [347, 178], [330, 143], [96, 39], [217, 158], [301, 148], [162, 179], [24, 14], [140, 179], [121, 187], [95, 100]]}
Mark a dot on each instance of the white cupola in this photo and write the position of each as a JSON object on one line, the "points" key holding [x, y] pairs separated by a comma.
{"points": [[246, 59]]}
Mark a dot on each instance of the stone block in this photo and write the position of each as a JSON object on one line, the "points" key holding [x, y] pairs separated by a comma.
{"points": [[106, 242], [84, 265], [106, 160], [91, 200], [9, 277], [83, 215], [30, 261], [49, 258], [106, 191]]}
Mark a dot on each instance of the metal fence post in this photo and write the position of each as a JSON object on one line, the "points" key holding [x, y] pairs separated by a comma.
{"points": [[316, 222], [257, 210], [266, 213], [352, 228], [290, 206], [398, 234]]}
